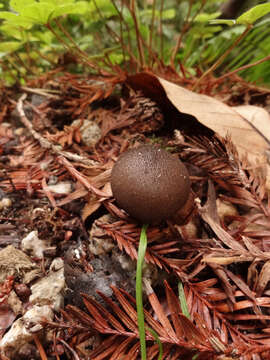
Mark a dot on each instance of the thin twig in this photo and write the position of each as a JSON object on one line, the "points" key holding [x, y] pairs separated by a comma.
{"points": [[81, 178], [184, 30], [122, 21], [144, 43], [115, 36], [28, 50], [69, 48], [121, 30], [132, 9], [44, 142], [73, 352], [152, 24], [152, 55], [40, 347], [42, 92], [160, 29], [80, 51]]}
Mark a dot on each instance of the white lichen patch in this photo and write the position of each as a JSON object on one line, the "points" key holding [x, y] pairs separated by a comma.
{"points": [[62, 188], [49, 290], [22, 330], [34, 246]]}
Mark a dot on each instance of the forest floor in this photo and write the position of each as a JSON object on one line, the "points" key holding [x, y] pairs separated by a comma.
{"points": [[62, 233]]}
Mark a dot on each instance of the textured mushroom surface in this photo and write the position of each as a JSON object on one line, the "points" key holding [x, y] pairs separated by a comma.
{"points": [[149, 183]]}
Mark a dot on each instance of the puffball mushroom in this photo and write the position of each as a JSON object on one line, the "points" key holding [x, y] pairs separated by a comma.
{"points": [[150, 184]]}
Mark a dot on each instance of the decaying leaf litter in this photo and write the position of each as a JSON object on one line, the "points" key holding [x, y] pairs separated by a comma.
{"points": [[66, 229]]}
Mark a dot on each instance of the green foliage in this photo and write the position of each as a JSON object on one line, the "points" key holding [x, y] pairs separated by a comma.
{"points": [[31, 12], [254, 47], [9, 46], [247, 18], [183, 301], [254, 14], [36, 49], [204, 17], [35, 34]]}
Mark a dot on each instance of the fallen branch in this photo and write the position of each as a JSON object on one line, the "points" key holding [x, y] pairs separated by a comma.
{"points": [[44, 142]]}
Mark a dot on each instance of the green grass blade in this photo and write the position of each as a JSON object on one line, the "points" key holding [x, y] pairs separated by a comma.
{"points": [[183, 300], [160, 346], [139, 297]]}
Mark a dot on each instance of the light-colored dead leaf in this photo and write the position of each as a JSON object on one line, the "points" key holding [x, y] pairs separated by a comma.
{"points": [[90, 207], [209, 214], [219, 117], [258, 117], [248, 126], [226, 260], [250, 134], [263, 278]]}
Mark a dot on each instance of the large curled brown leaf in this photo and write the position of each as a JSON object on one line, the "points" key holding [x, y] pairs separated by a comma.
{"points": [[248, 129]]}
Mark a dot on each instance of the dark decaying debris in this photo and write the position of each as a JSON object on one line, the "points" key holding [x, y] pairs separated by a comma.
{"points": [[220, 252]]}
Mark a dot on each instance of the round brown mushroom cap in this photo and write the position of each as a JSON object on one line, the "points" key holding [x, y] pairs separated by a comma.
{"points": [[149, 183]]}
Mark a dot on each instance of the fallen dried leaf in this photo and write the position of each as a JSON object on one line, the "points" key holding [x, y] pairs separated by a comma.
{"points": [[263, 279], [222, 119], [209, 214], [210, 113], [90, 207], [258, 117]]}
